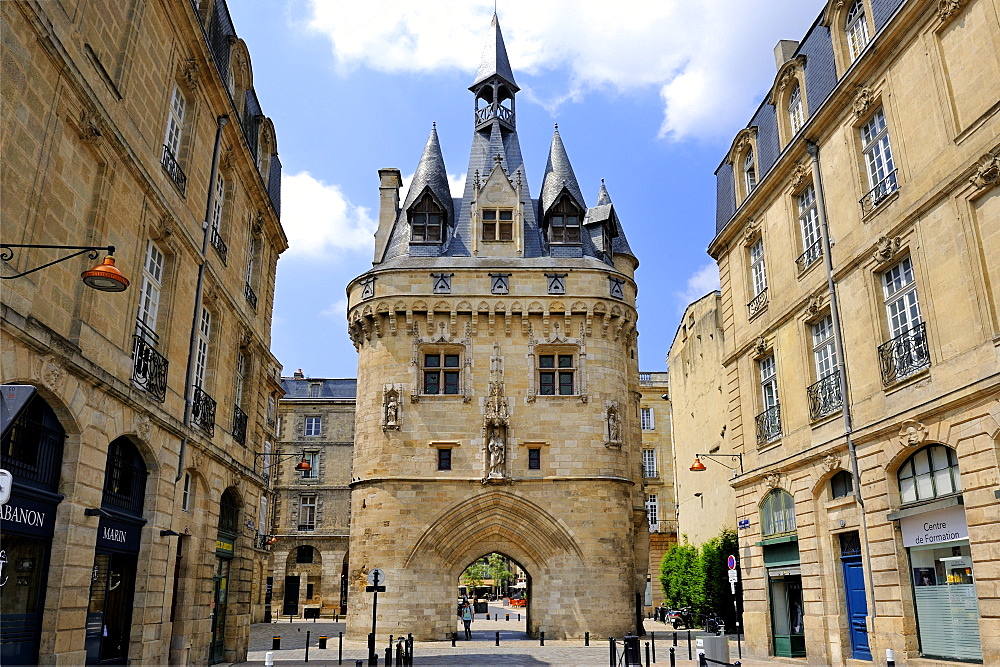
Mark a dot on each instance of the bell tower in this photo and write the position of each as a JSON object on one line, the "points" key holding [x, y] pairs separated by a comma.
{"points": [[494, 87]]}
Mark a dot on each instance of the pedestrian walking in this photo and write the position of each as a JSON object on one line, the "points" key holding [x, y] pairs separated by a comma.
{"points": [[467, 617]]}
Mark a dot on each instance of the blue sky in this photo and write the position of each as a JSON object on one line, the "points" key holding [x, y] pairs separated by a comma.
{"points": [[647, 94]]}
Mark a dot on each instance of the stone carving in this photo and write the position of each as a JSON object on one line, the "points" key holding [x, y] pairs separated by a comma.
{"points": [[987, 171], [949, 8], [613, 421], [496, 423], [886, 248], [863, 98], [228, 161], [831, 462], [815, 304], [912, 433], [143, 427], [51, 372], [750, 231], [787, 77], [799, 174], [761, 347], [772, 481], [189, 74], [90, 127], [391, 407]]}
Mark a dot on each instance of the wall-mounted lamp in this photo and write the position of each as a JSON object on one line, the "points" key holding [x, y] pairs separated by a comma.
{"points": [[169, 533], [97, 511], [301, 466], [104, 277], [698, 466]]}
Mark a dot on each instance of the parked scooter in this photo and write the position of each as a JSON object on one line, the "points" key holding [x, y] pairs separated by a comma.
{"points": [[714, 624], [679, 617]]}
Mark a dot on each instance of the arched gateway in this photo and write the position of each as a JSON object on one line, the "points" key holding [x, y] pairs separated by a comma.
{"points": [[497, 395]]}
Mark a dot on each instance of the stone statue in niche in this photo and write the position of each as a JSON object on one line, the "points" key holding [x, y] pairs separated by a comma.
{"points": [[390, 404], [496, 423], [614, 425], [496, 455]]}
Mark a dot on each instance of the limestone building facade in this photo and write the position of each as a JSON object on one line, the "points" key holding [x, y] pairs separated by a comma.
{"points": [[498, 389], [705, 501], [133, 531], [655, 423], [311, 518], [858, 253]]}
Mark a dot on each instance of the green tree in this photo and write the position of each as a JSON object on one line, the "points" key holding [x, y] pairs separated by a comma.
{"points": [[681, 575], [474, 575], [718, 597], [499, 571]]}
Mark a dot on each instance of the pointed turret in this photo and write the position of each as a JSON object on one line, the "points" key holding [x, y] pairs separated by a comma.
{"points": [[602, 196], [558, 176], [494, 86], [431, 175], [494, 62]]}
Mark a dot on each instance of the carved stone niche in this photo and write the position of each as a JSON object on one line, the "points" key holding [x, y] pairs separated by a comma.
{"points": [[912, 433], [612, 424], [392, 407]]}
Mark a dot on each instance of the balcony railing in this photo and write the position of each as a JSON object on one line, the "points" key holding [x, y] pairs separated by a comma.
{"points": [[769, 425], [824, 396], [490, 112], [149, 369], [203, 411], [250, 295], [812, 253], [262, 541], [654, 526], [220, 246], [904, 355], [757, 303], [125, 487], [877, 195], [645, 377], [239, 425], [307, 526], [173, 169]]}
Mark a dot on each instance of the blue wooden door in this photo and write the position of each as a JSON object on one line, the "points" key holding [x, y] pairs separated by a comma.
{"points": [[857, 607]]}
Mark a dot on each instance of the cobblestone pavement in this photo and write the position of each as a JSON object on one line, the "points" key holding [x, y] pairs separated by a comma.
{"points": [[516, 648]]}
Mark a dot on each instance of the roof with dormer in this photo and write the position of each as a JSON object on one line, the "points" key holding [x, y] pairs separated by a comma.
{"points": [[432, 175], [329, 388]]}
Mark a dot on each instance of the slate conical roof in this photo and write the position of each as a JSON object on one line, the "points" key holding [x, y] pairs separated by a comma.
{"points": [[604, 212], [431, 173], [558, 174], [494, 61], [603, 197]]}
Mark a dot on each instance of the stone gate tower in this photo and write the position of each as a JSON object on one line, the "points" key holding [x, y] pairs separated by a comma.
{"points": [[497, 405]]}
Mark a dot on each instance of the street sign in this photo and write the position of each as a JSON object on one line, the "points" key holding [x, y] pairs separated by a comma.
{"points": [[733, 576], [731, 562], [376, 577], [743, 523], [6, 482]]}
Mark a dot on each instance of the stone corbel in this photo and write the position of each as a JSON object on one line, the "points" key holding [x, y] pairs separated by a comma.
{"points": [[799, 174], [912, 433], [750, 229], [773, 480], [831, 462], [886, 248], [605, 324], [987, 171], [948, 9], [761, 347], [377, 325], [863, 99], [392, 322], [507, 322], [189, 73]]}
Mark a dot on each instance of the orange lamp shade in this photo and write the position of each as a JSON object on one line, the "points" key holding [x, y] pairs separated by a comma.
{"points": [[303, 465], [698, 466], [105, 277]]}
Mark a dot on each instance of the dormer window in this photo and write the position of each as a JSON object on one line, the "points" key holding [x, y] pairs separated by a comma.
{"points": [[564, 222], [498, 224], [796, 115], [749, 172], [426, 220], [856, 28]]}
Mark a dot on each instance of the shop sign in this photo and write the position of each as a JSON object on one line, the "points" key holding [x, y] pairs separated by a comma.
{"points": [[935, 527], [224, 546], [26, 516], [118, 536]]}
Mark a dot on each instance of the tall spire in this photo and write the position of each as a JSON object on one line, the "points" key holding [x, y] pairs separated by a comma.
{"points": [[431, 173], [558, 175], [603, 197], [494, 61]]}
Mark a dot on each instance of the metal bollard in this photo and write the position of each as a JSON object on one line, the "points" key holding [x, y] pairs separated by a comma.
{"points": [[702, 660], [673, 658], [454, 636], [675, 638], [498, 638], [614, 651], [269, 659], [586, 639], [359, 663], [541, 636], [390, 640], [340, 648], [690, 655], [487, 616], [307, 645], [519, 618], [388, 656], [276, 643], [890, 658], [399, 652], [652, 636], [647, 654], [508, 617], [322, 641]]}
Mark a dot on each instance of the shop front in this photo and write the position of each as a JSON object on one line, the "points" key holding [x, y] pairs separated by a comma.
{"points": [[225, 551], [784, 577], [941, 574], [31, 451]]}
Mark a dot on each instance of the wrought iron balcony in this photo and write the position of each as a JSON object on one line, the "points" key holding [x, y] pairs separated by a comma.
{"points": [[149, 369], [250, 295], [904, 355], [173, 169], [812, 253], [203, 411], [769, 425], [239, 425], [877, 195], [220, 246], [757, 303], [824, 396]]}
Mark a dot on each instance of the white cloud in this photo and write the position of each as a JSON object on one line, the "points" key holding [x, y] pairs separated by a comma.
{"points": [[456, 184], [319, 219], [710, 60], [700, 283], [336, 310]]}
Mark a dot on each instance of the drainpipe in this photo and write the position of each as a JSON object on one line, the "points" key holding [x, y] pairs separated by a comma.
{"points": [[838, 342], [222, 121]]}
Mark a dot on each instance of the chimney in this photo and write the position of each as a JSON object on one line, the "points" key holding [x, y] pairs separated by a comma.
{"points": [[298, 375], [389, 183], [784, 51]]}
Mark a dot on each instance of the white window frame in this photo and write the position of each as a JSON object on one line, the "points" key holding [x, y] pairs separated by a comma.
{"points": [[175, 122], [809, 224], [219, 202], [649, 463], [313, 459], [241, 366], [307, 512], [796, 111], [186, 494], [251, 252], [266, 466], [877, 149], [652, 510], [646, 419], [749, 171], [902, 305], [758, 270], [313, 426], [856, 29], [149, 295], [768, 381], [824, 349], [262, 517], [204, 341]]}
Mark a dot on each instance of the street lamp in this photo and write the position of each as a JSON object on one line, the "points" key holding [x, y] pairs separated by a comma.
{"points": [[698, 466], [301, 466], [104, 277]]}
